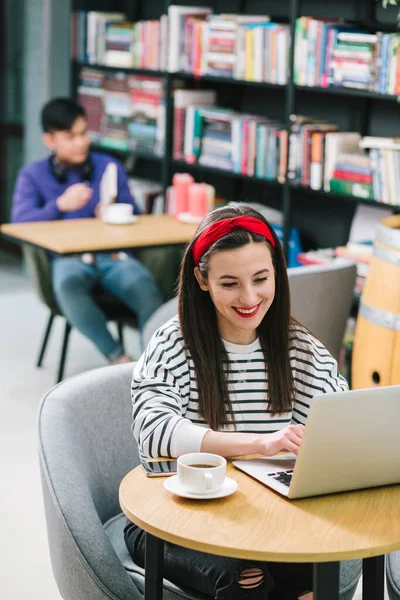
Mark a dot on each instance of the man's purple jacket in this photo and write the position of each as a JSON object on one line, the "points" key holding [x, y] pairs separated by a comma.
{"points": [[37, 190]]}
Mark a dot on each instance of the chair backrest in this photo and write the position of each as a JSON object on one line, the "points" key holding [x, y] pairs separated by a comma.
{"points": [[38, 265], [321, 297], [86, 447], [163, 262]]}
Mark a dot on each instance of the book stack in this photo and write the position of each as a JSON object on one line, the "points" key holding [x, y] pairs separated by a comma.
{"points": [[352, 176], [336, 143], [190, 39], [225, 139], [88, 35], [263, 52], [216, 145], [119, 44], [117, 111], [125, 112], [150, 42], [231, 48], [269, 149], [387, 79], [107, 38], [245, 47], [91, 97], [147, 117], [219, 46], [329, 53], [179, 47], [306, 155], [353, 62], [385, 162], [182, 100]]}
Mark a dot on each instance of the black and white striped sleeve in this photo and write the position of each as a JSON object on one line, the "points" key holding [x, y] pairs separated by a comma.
{"points": [[160, 393], [316, 372]]}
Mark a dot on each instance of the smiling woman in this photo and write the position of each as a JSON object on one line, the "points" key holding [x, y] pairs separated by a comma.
{"points": [[242, 300], [239, 292], [233, 374]]}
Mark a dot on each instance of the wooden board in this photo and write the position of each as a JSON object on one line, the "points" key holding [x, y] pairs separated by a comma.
{"points": [[91, 235]]}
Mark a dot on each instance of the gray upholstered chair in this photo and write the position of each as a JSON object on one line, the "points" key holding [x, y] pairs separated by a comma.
{"points": [[86, 447], [321, 300], [393, 575]]}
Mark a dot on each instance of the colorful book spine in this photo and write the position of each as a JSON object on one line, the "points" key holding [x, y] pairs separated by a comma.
{"points": [[348, 188]]}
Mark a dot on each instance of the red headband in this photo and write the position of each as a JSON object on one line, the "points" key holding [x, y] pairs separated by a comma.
{"points": [[221, 228]]}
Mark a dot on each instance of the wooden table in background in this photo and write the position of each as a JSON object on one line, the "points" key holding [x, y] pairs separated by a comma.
{"points": [[255, 523], [76, 236]]}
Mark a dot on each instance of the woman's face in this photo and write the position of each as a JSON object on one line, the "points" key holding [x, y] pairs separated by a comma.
{"points": [[241, 284]]}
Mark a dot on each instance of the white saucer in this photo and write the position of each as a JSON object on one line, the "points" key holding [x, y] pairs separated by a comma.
{"points": [[124, 221], [188, 218], [228, 487]]}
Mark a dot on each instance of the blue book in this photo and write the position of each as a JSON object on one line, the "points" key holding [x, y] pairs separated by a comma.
{"points": [[352, 168], [260, 152], [373, 154], [385, 61], [271, 156]]}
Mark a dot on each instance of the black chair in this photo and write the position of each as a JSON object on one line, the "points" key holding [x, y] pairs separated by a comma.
{"points": [[114, 309], [162, 262]]}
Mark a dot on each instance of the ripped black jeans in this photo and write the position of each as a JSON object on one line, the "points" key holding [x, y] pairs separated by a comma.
{"points": [[222, 578]]}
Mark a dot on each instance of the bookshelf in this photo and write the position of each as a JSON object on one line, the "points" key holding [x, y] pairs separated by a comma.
{"points": [[324, 216]]}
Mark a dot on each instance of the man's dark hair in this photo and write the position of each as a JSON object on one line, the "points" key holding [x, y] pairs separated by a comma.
{"points": [[60, 114]]}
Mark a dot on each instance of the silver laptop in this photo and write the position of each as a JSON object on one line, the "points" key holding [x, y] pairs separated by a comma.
{"points": [[351, 441]]}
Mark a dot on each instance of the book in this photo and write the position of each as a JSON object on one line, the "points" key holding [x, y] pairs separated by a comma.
{"points": [[182, 100], [348, 188], [176, 21], [388, 143], [336, 143]]}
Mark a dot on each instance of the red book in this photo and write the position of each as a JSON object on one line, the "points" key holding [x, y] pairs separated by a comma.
{"points": [[179, 127], [351, 176], [397, 83], [245, 146]]}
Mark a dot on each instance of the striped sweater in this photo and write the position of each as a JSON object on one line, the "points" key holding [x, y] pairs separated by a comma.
{"points": [[166, 419]]}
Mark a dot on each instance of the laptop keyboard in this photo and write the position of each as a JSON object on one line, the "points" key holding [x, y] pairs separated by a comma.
{"points": [[284, 477]]}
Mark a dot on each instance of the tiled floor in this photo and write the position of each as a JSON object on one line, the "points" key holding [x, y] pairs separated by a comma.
{"points": [[25, 571]]}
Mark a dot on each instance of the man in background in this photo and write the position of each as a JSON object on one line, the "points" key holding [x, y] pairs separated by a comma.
{"points": [[66, 185]]}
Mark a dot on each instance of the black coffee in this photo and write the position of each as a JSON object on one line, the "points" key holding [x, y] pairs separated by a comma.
{"points": [[203, 466]]}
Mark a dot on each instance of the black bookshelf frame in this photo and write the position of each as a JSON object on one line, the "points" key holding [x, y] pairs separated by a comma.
{"points": [[366, 17]]}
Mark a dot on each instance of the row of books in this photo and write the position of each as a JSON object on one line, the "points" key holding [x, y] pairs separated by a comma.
{"points": [[190, 39], [104, 38], [322, 158], [125, 112], [330, 53], [384, 155], [226, 139], [245, 47]]}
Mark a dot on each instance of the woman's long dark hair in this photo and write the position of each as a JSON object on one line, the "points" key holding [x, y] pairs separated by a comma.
{"points": [[198, 321]]}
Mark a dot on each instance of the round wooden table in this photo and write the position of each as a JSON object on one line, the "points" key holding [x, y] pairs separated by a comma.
{"points": [[256, 523]]}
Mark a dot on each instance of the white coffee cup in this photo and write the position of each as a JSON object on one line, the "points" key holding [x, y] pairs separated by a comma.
{"points": [[118, 212], [200, 472]]}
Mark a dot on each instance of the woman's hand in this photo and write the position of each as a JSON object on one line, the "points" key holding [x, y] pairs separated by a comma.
{"points": [[285, 440], [227, 443]]}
